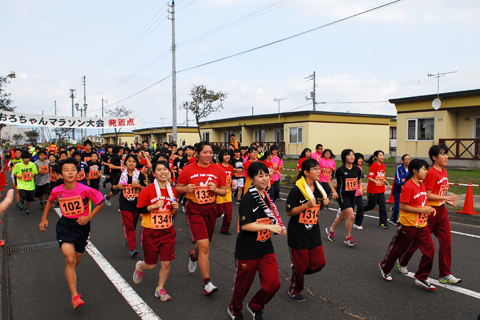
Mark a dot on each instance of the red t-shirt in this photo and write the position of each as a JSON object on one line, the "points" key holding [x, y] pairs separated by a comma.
{"points": [[192, 160], [201, 176], [148, 196], [416, 197], [299, 164], [377, 172], [270, 169], [437, 182]]}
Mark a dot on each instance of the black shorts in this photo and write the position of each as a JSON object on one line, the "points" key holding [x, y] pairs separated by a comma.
{"points": [[346, 202], [68, 230], [28, 195], [41, 190], [53, 185]]}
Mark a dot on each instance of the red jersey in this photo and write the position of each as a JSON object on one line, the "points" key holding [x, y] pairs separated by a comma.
{"points": [[437, 182], [377, 172], [299, 164], [416, 197], [200, 177], [148, 196], [270, 169]]}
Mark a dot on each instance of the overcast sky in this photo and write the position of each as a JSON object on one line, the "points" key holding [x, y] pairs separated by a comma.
{"points": [[376, 56]]}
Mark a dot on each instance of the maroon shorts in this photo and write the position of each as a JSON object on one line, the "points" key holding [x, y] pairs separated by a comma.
{"points": [[158, 242], [201, 219]]}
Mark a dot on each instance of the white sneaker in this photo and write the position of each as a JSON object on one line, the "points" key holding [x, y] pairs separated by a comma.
{"points": [[357, 227], [401, 268], [338, 212], [192, 265], [425, 284], [209, 288], [108, 202], [449, 279]]}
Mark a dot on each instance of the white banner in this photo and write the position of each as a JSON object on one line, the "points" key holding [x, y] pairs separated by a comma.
{"points": [[35, 120]]}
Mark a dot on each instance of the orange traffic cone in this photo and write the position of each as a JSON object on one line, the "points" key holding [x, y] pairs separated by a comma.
{"points": [[391, 200], [468, 206]]}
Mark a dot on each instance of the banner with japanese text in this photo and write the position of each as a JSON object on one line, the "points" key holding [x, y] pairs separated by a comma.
{"points": [[35, 120]]}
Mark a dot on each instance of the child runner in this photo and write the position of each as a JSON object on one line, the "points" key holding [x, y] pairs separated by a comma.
{"points": [[54, 177], [224, 204], [82, 176], [73, 228], [277, 170], [16, 159], [238, 178], [130, 182], [253, 157], [327, 166], [254, 249], [25, 171], [348, 177], [42, 180], [157, 203], [267, 159], [436, 183], [304, 203], [306, 154], [87, 155], [116, 167], [106, 161], [376, 187], [412, 227], [359, 195], [201, 182], [400, 175], [94, 169], [176, 162], [244, 153], [317, 155]]}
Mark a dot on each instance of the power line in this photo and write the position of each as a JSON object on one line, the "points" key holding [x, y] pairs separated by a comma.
{"points": [[186, 5]]}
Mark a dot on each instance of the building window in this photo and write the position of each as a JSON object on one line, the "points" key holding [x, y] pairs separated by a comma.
{"points": [[278, 135], [257, 138], [420, 129], [225, 136], [393, 132], [206, 136], [170, 138], [296, 135], [240, 138]]}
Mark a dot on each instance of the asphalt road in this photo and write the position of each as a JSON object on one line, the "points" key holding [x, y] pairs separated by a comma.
{"points": [[350, 286]]}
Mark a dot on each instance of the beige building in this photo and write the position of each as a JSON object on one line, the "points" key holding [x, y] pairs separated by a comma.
{"points": [[456, 124], [122, 137], [165, 134]]}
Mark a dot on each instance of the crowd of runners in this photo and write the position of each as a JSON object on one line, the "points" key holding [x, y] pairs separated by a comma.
{"points": [[153, 183]]}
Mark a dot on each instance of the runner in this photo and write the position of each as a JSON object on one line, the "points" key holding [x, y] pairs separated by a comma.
{"points": [[73, 228], [317, 155], [359, 195], [253, 157], [327, 166], [157, 203], [436, 183], [348, 177], [400, 175], [16, 159], [224, 204], [24, 172], [306, 154], [254, 248], [201, 182], [244, 154], [376, 187], [54, 177], [304, 203], [94, 169], [82, 176], [87, 155], [176, 162], [277, 170], [267, 159], [105, 162], [129, 183], [116, 167], [411, 229], [238, 178], [42, 180]]}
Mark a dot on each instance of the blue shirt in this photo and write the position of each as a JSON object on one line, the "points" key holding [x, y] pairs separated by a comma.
{"points": [[400, 174]]}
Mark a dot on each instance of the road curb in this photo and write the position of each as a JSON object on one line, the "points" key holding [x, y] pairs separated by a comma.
{"points": [[4, 281]]}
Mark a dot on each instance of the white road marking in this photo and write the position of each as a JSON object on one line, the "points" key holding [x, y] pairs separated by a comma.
{"points": [[464, 291], [133, 299]]}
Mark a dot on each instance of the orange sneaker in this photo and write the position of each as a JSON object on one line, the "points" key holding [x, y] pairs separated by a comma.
{"points": [[77, 302]]}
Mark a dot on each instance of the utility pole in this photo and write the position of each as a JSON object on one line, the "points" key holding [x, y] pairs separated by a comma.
{"points": [[174, 76], [186, 112], [252, 111], [106, 101], [312, 94], [278, 100], [438, 75], [55, 116], [72, 95], [85, 105]]}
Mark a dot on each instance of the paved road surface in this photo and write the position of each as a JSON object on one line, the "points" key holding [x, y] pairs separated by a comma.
{"points": [[350, 286]]}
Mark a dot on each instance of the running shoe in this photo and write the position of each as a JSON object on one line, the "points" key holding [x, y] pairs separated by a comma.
{"points": [[385, 276], [449, 279], [233, 316], [383, 226], [401, 268], [357, 227], [41, 206], [22, 205], [133, 253], [162, 294], [119, 211], [209, 288], [192, 265], [350, 242], [77, 302], [226, 233], [330, 234], [392, 222], [19, 205], [138, 274], [425, 284], [108, 202], [256, 314], [238, 202], [296, 297], [26, 212]]}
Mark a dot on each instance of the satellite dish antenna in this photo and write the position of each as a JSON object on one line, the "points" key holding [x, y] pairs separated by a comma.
{"points": [[436, 103]]}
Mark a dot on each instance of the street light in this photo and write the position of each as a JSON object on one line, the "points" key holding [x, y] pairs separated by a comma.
{"points": [[77, 106]]}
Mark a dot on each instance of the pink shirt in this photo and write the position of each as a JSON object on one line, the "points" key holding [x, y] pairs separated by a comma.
{"points": [[329, 165], [87, 196], [277, 162], [317, 156]]}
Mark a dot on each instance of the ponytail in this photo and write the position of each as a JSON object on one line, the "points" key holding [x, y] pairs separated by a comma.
{"points": [[373, 157], [415, 164]]}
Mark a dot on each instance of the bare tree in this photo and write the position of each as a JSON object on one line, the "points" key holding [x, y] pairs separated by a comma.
{"points": [[64, 133], [119, 112], [202, 103]]}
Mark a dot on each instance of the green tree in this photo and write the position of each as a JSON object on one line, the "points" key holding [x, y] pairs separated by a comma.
{"points": [[202, 103], [5, 100], [16, 137], [64, 133], [119, 112], [32, 137]]}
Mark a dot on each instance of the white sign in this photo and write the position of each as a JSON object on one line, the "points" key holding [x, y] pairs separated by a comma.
{"points": [[35, 120]]}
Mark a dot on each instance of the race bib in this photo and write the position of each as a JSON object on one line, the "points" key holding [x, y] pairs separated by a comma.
{"points": [[81, 176], [264, 234], [229, 181], [53, 176], [43, 169], [351, 184], [203, 194], [238, 173], [86, 159], [327, 173], [421, 219], [94, 174], [130, 192], [380, 179], [310, 216], [160, 219], [27, 176], [443, 190], [71, 206]]}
